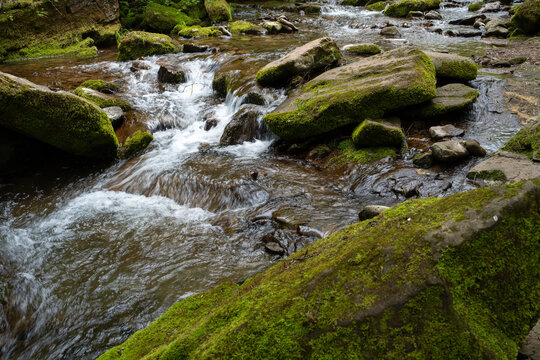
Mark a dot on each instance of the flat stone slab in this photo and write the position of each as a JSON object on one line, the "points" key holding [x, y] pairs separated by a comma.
{"points": [[445, 131], [450, 98], [505, 166]]}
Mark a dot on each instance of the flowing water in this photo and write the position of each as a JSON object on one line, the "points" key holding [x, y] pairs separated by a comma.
{"points": [[90, 253]]}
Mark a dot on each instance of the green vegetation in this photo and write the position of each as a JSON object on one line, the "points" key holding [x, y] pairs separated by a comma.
{"points": [[526, 141], [526, 19], [403, 7], [364, 49], [450, 98], [138, 43], [366, 155], [196, 31], [427, 279], [160, 15], [476, 6], [136, 143], [100, 85], [378, 6], [163, 19], [102, 100], [495, 175], [218, 10], [245, 27], [378, 133], [451, 67]]}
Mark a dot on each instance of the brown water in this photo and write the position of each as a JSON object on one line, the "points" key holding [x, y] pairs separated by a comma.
{"points": [[89, 253]]}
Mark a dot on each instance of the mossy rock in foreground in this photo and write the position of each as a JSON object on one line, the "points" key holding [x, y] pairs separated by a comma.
{"points": [[60, 119], [403, 7], [381, 132], [139, 43], [436, 278]]}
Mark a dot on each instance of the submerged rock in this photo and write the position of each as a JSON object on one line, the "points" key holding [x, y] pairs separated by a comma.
{"points": [[421, 280], [60, 119], [314, 56], [451, 67], [450, 98], [102, 100], [139, 43], [383, 132], [403, 7], [135, 144], [527, 17], [170, 73], [352, 93]]}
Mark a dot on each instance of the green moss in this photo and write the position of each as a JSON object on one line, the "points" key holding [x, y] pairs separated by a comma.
{"points": [[378, 6], [82, 49], [163, 19], [376, 290], [373, 133], [403, 7], [136, 143], [495, 175], [349, 153], [526, 141], [476, 6], [526, 19], [139, 43], [196, 31], [100, 85], [245, 27], [218, 10], [59, 119], [463, 71], [102, 100], [364, 49], [221, 84]]}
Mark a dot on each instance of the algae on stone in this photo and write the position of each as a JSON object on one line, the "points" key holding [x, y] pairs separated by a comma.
{"points": [[403, 7], [163, 19], [363, 49], [436, 278], [526, 18], [196, 31], [139, 43], [526, 141], [136, 143], [245, 27], [218, 10], [382, 132], [101, 86], [451, 67]]}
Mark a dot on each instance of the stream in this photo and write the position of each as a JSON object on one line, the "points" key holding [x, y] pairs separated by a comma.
{"points": [[90, 253]]}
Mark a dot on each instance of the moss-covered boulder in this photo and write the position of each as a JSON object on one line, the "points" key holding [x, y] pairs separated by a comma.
{"points": [[352, 93], [163, 19], [378, 6], [362, 49], [436, 278], [105, 87], [245, 27], [382, 132], [196, 31], [476, 6], [102, 100], [135, 144], [526, 19], [526, 141], [60, 119], [139, 43], [218, 10], [450, 98], [403, 7], [452, 67], [314, 56]]}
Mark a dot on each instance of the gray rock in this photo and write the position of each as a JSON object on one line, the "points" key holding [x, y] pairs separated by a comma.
{"points": [[469, 33], [171, 73], [474, 148], [445, 131], [450, 151], [246, 125], [391, 30], [274, 248], [491, 7], [116, 115], [415, 14], [450, 98], [505, 166], [370, 211], [479, 23], [433, 15], [272, 27], [469, 20], [424, 160], [452, 67], [195, 48]]}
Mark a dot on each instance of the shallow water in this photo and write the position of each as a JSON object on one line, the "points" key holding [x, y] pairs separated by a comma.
{"points": [[90, 253]]}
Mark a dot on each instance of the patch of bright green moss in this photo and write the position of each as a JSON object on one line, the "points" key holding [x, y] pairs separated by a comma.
{"points": [[495, 175], [163, 19], [378, 6], [403, 7], [100, 85], [526, 141], [218, 10], [526, 19], [196, 31], [136, 143], [476, 6], [139, 43], [377, 133], [349, 153], [245, 27]]}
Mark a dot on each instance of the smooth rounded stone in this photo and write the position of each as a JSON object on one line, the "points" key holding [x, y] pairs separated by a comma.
{"points": [[171, 73], [116, 115], [245, 27], [505, 166], [445, 131], [60, 119], [370, 211], [364, 89], [382, 132], [246, 125], [452, 67], [468, 20], [449, 151], [490, 7], [135, 144], [474, 148], [433, 15], [424, 160], [497, 31], [527, 17], [309, 231], [450, 98], [508, 62], [469, 33], [272, 27], [195, 48], [391, 30], [210, 123], [139, 43], [312, 57], [404, 7], [138, 65], [362, 49], [102, 100], [274, 248], [218, 10]]}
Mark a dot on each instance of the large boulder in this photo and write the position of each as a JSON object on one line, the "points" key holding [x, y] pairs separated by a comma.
{"points": [[450, 98], [451, 67], [527, 17], [352, 93], [163, 19], [403, 7], [139, 43], [436, 278], [314, 56], [60, 119], [218, 10]]}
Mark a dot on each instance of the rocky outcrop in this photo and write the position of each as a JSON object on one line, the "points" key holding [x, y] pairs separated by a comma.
{"points": [[60, 119], [352, 93], [451, 67], [527, 17], [436, 278], [450, 98], [139, 43], [314, 56], [403, 7]]}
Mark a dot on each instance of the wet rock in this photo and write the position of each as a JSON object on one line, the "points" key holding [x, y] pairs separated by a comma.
{"points": [[246, 125], [274, 248], [309, 232], [254, 175], [450, 98], [370, 211], [139, 43], [479, 24], [451, 67], [210, 123], [197, 32], [469, 20], [507, 62], [135, 144], [476, 6], [378, 6], [218, 10], [433, 15], [497, 28], [316, 109], [362, 49], [490, 7], [60, 119], [272, 27], [102, 100], [245, 27], [469, 33], [254, 99], [445, 131], [415, 14], [403, 7], [310, 8], [312, 57], [505, 166], [170, 73], [474, 148], [376, 133], [101, 86], [223, 82], [527, 17], [138, 65], [424, 160], [390, 30], [116, 115], [449, 151], [195, 48]]}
